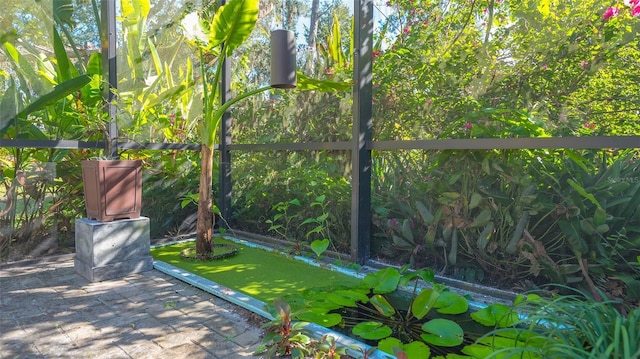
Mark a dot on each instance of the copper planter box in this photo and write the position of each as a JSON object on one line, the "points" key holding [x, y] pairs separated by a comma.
{"points": [[112, 189]]}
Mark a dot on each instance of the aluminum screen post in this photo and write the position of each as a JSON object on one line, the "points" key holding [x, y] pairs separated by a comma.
{"points": [[361, 132], [108, 40]]}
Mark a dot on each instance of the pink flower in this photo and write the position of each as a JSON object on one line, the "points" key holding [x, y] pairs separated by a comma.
{"points": [[468, 125], [406, 31], [584, 64], [376, 53], [636, 9], [610, 12], [590, 126]]}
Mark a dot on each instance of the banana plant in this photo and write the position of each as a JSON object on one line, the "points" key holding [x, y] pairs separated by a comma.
{"points": [[230, 27]]}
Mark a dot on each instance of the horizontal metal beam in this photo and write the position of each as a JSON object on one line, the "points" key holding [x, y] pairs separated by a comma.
{"points": [[75, 145], [594, 142], [158, 146], [305, 146], [55, 144]]}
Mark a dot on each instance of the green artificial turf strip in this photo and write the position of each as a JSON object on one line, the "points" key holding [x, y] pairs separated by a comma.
{"points": [[256, 272]]}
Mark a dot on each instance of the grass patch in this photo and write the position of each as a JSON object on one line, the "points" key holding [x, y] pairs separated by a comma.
{"points": [[261, 274]]}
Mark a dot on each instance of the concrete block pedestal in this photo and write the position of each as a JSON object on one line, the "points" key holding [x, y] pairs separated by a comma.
{"points": [[110, 250]]}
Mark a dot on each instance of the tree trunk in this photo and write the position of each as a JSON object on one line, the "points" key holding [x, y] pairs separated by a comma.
{"points": [[313, 33], [204, 228]]}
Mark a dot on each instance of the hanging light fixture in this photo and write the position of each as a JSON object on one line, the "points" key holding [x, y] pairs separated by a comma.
{"points": [[283, 59]]}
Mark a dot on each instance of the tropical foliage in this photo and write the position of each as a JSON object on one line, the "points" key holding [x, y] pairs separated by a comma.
{"points": [[461, 70]]}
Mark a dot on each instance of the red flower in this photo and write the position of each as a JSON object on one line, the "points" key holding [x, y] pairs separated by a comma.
{"points": [[610, 12], [468, 125], [636, 9]]}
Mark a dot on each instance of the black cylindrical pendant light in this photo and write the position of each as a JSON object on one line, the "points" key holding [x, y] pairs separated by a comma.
{"points": [[283, 59]]}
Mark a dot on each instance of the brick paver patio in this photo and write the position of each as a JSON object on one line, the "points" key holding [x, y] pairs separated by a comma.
{"points": [[48, 311]]}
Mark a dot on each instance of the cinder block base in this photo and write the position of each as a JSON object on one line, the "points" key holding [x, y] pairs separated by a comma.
{"points": [[110, 250]]}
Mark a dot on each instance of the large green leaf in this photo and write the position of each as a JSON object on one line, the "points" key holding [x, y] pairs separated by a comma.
{"points": [[134, 10], [383, 281], [382, 305], [424, 302], [64, 65], [583, 192], [8, 106], [344, 297], [372, 330], [319, 246], [304, 82], [413, 350], [335, 43], [486, 346], [416, 350], [63, 11], [482, 219], [59, 92], [574, 238], [134, 14], [23, 67], [390, 345], [327, 320], [233, 24], [495, 315], [94, 65], [425, 214], [451, 303], [442, 332]]}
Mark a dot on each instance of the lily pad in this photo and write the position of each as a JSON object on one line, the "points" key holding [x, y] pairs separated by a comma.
{"points": [[372, 330], [442, 332]]}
